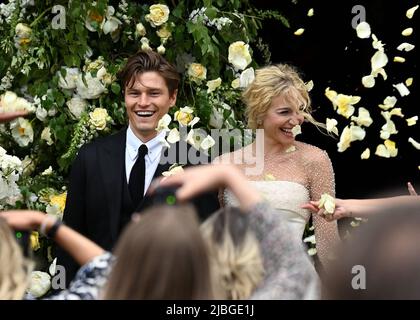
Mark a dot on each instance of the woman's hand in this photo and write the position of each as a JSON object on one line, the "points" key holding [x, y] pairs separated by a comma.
{"points": [[23, 219], [9, 116]]}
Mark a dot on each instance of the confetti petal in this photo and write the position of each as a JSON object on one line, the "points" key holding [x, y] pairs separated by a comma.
{"points": [[299, 31], [310, 12], [410, 12], [414, 143], [364, 118], [412, 121], [405, 46], [407, 32], [379, 60], [331, 126], [399, 59], [368, 81], [377, 44], [365, 154], [328, 203], [309, 85], [389, 103], [402, 89], [363, 30], [409, 82], [296, 130]]}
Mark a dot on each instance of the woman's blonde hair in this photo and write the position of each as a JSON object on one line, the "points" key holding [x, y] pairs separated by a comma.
{"points": [[270, 82], [234, 253], [15, 269], [162, 256]]}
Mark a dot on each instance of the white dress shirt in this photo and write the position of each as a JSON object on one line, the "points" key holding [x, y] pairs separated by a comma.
{"points": [[152, 158]]}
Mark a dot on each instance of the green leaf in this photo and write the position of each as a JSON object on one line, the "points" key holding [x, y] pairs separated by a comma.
{"points": [[115, 87]]}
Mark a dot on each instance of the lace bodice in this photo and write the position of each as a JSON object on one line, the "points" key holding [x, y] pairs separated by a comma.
{"points": [[305, 167]]}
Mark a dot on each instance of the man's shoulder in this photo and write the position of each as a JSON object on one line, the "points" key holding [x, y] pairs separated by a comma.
{"points": [[101, 142]]}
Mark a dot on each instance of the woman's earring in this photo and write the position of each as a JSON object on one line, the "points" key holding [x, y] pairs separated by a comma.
{"points": [[259, 122]]}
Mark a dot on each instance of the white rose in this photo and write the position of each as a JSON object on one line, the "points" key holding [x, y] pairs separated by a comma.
{"points": [[161, 49], [140, 29], [23, 31], [40, 284], [22, 131], [213, 84], [239, 55], [9, 101], [94, 87], [46, 135], [98, 118], [247, 76], [158, 15], [77, 106], [69, 81], [41, 113]]}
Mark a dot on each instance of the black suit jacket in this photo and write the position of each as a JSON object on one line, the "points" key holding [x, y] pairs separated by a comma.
{"points": [[95, 190]]}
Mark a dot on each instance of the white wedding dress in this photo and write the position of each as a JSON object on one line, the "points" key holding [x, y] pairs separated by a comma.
{"points": [[287, 181], [285, 198]]}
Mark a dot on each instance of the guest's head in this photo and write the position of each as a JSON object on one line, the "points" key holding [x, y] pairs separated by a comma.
{"points": [[150, 85], [381, 260], [14, 268], [162, 256], [277, 99], [234, 253]]}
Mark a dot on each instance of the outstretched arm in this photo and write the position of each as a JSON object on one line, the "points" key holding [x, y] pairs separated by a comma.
{"points": [[9, 116], [79, 247], [362, 208]]}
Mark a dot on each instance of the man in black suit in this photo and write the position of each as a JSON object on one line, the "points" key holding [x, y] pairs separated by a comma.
{"points": [[110, 176]]}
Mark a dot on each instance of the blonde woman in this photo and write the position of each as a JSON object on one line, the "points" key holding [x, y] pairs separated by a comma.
{"points": [[291, 172]]}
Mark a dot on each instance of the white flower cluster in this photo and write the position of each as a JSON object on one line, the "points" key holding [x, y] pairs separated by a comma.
{"points": [[6, 81], [10, 170], [6, 11], [219, 23]]}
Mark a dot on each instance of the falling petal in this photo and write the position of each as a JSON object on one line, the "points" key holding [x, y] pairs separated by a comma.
{"points": [[327, 202], [379, 60], [402, 89], [412, 121], [291, 149], [407, 32], [269, 177], [410, 12], [399, 59], [363, 30], [380, 71], [414, 143], [405, 46], [389, 103], [365, 154], [409, 82], [364, 118], [296, 130], [390, 145], [368, 81], [299, 32], [312, 251], [310, 12], [309, 85], [381, 151], [377, 44], [331, 126]]}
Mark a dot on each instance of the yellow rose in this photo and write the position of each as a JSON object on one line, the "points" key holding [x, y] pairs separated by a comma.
{"points": [[159, 14], [35, 241], [197, 72], [164, 33], [184, 115], [98, 118], [59, 200]]}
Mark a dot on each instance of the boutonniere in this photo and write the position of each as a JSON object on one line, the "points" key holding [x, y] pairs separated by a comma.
{"points": [[173, 169]]}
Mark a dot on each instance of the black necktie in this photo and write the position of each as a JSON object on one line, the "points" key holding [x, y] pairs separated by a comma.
{"points": [[137, 175]]}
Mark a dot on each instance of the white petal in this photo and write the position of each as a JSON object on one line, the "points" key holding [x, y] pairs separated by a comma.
{"points": [[299, 32], [399, 59], [368, 81], [409, 82], [309, 85], [379, 60], [173, 136], [363, 30], [365, 154], [412, 121], [402, 89], [414, 143], [407, 32], [405, 46], [310, 12], [410, 12]]}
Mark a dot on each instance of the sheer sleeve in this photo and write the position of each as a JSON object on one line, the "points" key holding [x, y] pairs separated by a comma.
{"points": [[321, 180], [289, 273]]}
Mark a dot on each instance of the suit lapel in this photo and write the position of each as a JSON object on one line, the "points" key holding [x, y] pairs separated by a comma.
{"points": [[111, 158]]}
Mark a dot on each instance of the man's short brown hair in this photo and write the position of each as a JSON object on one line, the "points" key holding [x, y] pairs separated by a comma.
{"points": [[144, 61]]}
